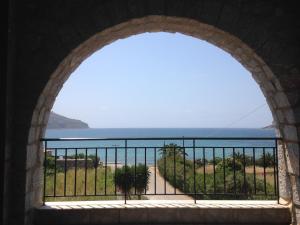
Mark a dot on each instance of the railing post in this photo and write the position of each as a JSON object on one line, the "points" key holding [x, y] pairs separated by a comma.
{"points": [[116, 161], [165, 169], [234, 172], [135, 162], [174, 168], [277, 179], [55, 169], [195, 196], [264, 161], [145, 167], [224, 172], [184, 169], [254, 170], [85, 171], [75, 173], [204, 172], [155, 171], [45, 171], [65, 173], [105, 173], [214, 169], [96, 168], [125, 171], [244, 170]]}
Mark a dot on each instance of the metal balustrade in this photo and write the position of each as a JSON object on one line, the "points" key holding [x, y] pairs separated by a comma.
{"points": [[126, 168]]}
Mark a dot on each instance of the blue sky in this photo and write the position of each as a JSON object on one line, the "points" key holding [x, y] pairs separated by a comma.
{"points": [[163, 80]]}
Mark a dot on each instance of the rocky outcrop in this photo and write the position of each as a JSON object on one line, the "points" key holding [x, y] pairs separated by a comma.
{"points": [[57, 121]]}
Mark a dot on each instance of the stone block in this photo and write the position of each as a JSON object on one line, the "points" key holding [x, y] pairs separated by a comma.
{"points": [[32, 135], [104, 216], [66, 217], [290, 133], [280, 116], [242, 216], [295, 182], [289, 116], [156, 215], [268, 72], [296, 111], [281, 100], [190, 215], [211, 215], [292, 155], [134, 216], [32, 155]]}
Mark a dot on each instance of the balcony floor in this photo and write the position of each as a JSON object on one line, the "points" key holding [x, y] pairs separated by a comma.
{"points": [[162, 212]]}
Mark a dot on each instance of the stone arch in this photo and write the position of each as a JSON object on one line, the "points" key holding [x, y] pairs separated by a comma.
{"points": [[263, 75], [52, 38]]}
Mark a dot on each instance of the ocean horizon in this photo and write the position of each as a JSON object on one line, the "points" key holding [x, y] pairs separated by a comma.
{"points": [[159, 132], [110, 147]]}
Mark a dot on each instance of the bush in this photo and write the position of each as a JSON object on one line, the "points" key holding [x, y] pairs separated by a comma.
{"points": [[169, 150], [214, 183], [141, 178], [129, 177], [230, 164], [269, 160], [200, 162], [124, 179], [50, 166], [95, 161]]}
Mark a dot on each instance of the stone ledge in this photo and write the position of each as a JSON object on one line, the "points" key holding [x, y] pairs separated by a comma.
{"points": [[162, 212], [164, 204]]}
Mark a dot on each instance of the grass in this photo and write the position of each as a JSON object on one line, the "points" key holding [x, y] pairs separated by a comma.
{"points": [[92, 187], [259, 172], [207, 187], [87, 185]]}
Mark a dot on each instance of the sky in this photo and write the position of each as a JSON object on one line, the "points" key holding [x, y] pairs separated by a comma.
{"points": [[163, 80]]}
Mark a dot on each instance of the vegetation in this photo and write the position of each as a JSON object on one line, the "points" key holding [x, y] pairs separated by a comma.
{"points": [[133, 180], [141, 180], [124, 179], [92, 181], [80, 184], [50, 162], [210, 183], [95, 160]]}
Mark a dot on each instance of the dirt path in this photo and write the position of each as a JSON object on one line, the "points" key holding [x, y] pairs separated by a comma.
{"points": [[160, 188]]}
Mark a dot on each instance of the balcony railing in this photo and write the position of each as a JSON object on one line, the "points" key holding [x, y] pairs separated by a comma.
{"points": [[135, 168]]}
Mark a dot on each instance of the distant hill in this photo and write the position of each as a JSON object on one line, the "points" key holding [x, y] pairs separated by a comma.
{"points": [[57, 121]]}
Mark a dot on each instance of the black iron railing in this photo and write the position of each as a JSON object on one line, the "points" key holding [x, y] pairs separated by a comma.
{"points": [[127, 168]]}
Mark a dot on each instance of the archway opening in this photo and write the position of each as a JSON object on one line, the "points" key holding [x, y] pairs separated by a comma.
{"points": [[167, 86], [261, 73]]}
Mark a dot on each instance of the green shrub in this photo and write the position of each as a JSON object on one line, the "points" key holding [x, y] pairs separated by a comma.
{"points": [[230, 164], [268, 162], [129, 177], [95, 160], [50, 166], [141, 179], [124, 179], [213, 183]]}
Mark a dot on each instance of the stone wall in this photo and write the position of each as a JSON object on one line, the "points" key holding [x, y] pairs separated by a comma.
{"points": [[49, 39]]}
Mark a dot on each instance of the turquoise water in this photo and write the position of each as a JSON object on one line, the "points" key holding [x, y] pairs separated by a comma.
{"points": [[160, 132], [113, 148]]}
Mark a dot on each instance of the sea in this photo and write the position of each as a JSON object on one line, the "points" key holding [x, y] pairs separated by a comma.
{"points": [[149, 151]]}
